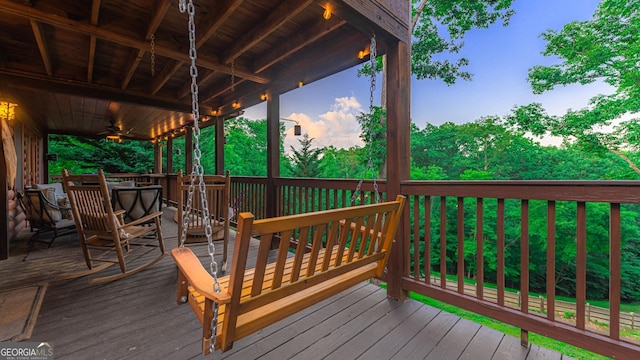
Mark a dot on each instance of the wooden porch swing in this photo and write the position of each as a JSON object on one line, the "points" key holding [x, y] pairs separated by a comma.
{"points": [[348, 246]]}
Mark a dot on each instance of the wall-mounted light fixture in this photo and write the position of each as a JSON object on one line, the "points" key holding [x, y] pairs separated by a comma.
{"points": [[300, 84], [297, 129], [7, 110], [364, 53], [235, 104], [264, 97]]}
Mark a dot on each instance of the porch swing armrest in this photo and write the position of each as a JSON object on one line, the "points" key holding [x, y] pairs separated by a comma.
{"points": [[197, 276]]}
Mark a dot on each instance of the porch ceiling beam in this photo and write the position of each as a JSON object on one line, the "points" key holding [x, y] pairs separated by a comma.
{"points": [[42, 46], [95, 10], [304, 38], [211, 24], [136, 55], [42, 83], [15, 9], [283, 13]]}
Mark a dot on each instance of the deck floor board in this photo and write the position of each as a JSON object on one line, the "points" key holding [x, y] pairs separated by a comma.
{"points": [[137, 317]]}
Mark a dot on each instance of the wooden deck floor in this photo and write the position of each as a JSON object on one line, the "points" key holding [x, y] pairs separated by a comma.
{"points": [[137, 318]]}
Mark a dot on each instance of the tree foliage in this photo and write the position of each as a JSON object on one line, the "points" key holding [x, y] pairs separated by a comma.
{"points": [[605, 48], [306, 161]]}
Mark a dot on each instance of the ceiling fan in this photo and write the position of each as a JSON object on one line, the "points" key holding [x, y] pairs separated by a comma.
{"points": [[113, 132]]}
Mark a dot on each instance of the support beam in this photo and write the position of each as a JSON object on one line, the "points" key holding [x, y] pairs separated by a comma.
{"points": [[398, 155], [188, 150], [34, 82], [170, 154], [273, 152], [42, 46], [220, 141]]}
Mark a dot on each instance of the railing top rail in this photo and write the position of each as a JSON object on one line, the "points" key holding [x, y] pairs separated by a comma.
{"points": [[587, 191]]}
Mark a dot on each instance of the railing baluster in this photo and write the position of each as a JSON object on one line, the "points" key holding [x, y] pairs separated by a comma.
{"points": [[416, 237], [427, 239], [500, 245], [460, 225], [614, 269], [581, 264], [479, 249], [524, 256], [551, 260], [443, 242]]}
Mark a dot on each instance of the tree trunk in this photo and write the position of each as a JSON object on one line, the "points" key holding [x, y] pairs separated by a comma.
{"points": [[624, 157]]}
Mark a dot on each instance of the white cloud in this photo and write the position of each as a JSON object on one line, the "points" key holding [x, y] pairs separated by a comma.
{"points": [[338, 127]]}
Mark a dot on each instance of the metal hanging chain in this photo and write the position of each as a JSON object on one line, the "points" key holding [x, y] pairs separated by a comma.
{"points": [[372, 88], [198, 170], [153, 54]]}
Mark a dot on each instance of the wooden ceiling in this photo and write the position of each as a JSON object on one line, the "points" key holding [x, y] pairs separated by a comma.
{"points": [[74, 66]]}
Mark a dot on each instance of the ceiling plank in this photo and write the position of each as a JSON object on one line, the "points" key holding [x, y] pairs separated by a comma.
{"points": [[136, 55], [213, 21], [15, 9], [283, 13], [304, 38], [42, 46], [95, 10], [211, 24]]}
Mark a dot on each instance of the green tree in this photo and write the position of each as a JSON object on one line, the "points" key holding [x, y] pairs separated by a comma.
{"points": [[87, 155], [605, 48], [306, 161]]}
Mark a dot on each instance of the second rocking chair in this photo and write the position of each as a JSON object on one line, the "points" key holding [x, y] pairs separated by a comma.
{"points": [[103, 233]]}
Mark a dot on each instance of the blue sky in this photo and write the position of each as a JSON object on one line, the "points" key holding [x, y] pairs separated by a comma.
{"points": [[500, 58]]}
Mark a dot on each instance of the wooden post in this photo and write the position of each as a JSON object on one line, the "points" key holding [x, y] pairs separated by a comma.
{"points": [[170, 154], [398, 154], [273, 153], [220, 141], [188, 150], [157, 157]]}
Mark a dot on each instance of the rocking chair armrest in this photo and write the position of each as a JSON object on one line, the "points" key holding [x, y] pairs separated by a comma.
{"points": [[142, 219], [197, 276]]}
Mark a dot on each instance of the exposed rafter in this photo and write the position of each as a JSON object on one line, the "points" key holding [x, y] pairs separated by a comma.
{"points": [[95, 10], [42, 45], [137, 54]]}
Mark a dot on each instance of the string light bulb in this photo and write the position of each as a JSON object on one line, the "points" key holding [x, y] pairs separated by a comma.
{"points": [[327, 12], [300, 83], [235, 104], [264, 97]]}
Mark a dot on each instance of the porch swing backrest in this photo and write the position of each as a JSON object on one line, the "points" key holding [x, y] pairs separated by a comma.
{"points": [[348, 246]]}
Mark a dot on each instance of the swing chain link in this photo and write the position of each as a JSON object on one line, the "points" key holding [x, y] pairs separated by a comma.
{"points": [[152, 40], [372, 81], [233, 75], [198, 170]]}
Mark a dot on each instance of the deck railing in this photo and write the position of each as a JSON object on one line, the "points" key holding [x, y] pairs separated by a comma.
{"points": [[494, 217], [469, 242]]}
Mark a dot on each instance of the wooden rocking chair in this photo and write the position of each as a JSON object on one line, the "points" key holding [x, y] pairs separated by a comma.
{"points": [[102, 230], [217, 188]]}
